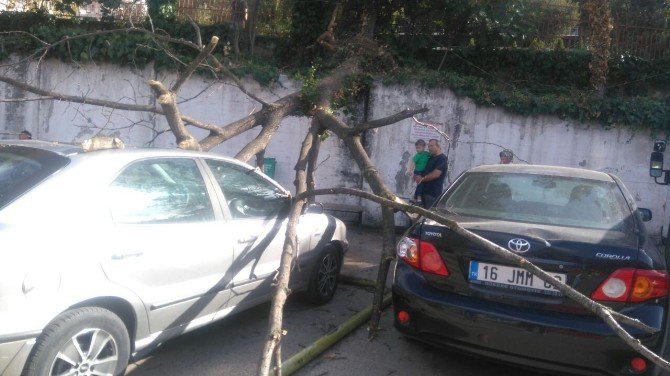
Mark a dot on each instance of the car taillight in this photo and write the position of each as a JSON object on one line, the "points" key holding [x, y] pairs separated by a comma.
{"points": [[634, 285], [422, 255]]}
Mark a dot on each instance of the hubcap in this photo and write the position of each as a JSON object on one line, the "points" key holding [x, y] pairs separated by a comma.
{"points": [[327, 275], [89, 352]]}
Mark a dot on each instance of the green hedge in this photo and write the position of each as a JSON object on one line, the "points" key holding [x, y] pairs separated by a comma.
{"points": [[635, 111], [523, 81], [547, 70]]}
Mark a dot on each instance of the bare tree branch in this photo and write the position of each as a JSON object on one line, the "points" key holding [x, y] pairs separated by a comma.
{"points": [[358, 153], [402, 115], [231, 130], [275, 331], [168, 102], [186, 74], [224, 70], [78, 99], [31, 99], [197, 30], [261, 141]]}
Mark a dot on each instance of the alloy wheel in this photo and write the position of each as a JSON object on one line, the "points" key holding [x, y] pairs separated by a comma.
{"points": [[90, 352]]}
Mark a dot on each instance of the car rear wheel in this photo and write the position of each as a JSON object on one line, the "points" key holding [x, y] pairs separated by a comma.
{"points": [[323, 282], [83, 341]]}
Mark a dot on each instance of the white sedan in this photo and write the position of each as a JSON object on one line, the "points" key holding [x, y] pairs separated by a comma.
{"points": [[108, 253]]}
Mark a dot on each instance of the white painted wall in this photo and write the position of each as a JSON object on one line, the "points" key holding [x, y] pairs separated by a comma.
{"points": [[474, 130], [538, 140]]}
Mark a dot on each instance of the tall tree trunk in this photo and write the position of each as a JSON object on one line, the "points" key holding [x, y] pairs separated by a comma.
{"points": [[254, 6], [599, 15]]}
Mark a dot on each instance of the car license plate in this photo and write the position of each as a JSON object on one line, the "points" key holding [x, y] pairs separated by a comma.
{"points": [[511, 278]]}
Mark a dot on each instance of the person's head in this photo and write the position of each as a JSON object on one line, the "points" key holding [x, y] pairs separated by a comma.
{"points": [[434, 147], [25, 135], [506, 156], [420, 146]]}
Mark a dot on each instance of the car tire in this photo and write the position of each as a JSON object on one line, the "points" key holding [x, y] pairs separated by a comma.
{"points": [[323, 281], [83, 339]]}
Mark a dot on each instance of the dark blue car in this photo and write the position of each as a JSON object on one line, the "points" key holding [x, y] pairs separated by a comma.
{"points": [[581, 226]]}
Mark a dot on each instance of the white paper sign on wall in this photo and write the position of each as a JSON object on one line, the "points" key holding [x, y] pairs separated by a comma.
{"points": [[418, 131]]}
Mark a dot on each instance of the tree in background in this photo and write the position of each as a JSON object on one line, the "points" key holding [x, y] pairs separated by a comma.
{"points": [[599, 17]]}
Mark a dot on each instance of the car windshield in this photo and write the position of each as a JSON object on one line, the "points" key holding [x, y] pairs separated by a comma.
{"points": [[544, 199], [21, 168]]}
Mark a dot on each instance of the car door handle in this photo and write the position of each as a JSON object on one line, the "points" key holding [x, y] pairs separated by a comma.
{"points": [[248, 239], [121, 256]]}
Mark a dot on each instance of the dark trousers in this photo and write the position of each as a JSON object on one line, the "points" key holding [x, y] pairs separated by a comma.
{"points": [[428, 201]]}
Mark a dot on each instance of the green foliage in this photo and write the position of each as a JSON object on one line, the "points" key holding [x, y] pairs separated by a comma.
{"points": [[353, 92], [126, 49], [637, 111], [263, 72], [309, 95]]}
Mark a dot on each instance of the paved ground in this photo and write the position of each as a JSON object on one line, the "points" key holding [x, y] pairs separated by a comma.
{"points": [[232, 347]]}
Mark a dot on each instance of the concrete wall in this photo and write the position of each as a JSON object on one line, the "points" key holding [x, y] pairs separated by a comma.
{"points": [[477, 132]]}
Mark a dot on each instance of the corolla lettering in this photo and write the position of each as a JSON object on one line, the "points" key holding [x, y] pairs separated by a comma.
{"points": [[611, 256]]}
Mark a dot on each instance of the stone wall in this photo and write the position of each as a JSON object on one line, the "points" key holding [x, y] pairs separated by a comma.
{"points": [[477, 133]]}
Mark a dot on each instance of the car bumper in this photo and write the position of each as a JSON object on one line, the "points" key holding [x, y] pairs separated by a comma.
{"points": [[556, 342], [14, 351]]}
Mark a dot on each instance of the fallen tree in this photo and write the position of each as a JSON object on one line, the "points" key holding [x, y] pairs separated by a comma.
{"points": [[356, 57]]}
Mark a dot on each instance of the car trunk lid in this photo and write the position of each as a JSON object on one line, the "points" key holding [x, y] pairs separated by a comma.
{"points": [[583, 258]]}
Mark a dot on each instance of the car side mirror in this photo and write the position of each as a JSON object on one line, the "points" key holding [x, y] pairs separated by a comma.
{"points": [[656, 164], [645, 214], [313, 208]]}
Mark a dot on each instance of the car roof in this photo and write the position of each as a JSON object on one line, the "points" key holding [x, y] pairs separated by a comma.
{"points": [[75, 152], [61, 148], [544, 170]]}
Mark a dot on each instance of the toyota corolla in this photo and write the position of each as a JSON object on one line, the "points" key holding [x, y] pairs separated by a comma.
{"points": [[581, 226]]}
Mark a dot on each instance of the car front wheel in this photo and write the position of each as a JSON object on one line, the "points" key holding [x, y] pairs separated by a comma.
{"points": [[323, 282], [83, 341]]}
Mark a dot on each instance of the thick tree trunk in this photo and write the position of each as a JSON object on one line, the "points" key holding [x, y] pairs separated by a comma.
{"points": [[599, 14]]}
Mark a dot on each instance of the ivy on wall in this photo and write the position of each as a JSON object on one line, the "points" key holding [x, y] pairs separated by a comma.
{"points": [[533, 81], [636, 111]]}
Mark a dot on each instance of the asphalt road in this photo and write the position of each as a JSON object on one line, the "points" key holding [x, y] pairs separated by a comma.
{"points": [[232, 347]]}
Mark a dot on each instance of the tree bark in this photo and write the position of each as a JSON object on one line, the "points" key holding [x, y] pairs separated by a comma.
{"points": [[168, 102], [313, 159], [275, 331], [599, 14], [387, 255], [274, 119]]}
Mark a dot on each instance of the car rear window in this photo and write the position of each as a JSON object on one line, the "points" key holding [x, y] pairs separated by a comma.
{"points": [[22, 168], [544, 199]]}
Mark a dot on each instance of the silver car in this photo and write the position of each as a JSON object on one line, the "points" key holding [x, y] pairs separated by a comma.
{"points": [[108, 253]]}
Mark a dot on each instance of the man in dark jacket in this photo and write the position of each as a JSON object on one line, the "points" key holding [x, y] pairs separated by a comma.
{"points": [[434, 175]]}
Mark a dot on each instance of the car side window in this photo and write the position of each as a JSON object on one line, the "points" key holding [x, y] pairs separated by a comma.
{"points": [[159, 191], [248, 194]]}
